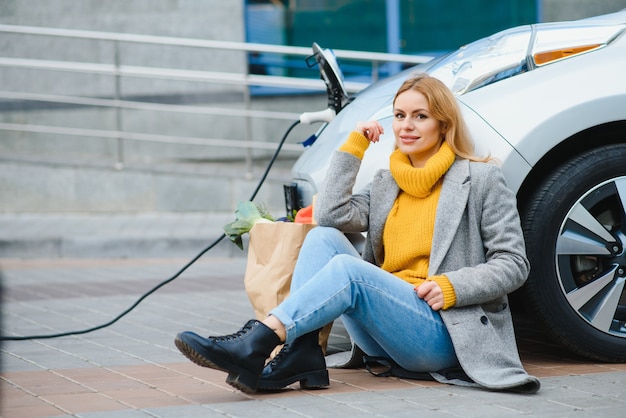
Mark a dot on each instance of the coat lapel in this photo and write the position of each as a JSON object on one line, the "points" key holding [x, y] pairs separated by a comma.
{"points": [[452, 203]]}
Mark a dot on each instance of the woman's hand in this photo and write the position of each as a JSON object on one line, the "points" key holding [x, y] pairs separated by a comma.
{"points": [[371, 129], [431, 293]]}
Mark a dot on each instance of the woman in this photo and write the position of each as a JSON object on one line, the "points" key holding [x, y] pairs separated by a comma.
{"points": [[444, 248]]}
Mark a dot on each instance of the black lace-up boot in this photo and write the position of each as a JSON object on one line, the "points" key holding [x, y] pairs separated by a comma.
{"points": [[242, 355], [302, 360]]}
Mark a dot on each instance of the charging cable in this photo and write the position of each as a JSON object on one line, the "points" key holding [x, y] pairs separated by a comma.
{"points": [[315, 117]]}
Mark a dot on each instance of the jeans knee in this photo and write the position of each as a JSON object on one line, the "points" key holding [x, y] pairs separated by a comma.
{"points": [[322, 233], [323, 237], [345, 263]]}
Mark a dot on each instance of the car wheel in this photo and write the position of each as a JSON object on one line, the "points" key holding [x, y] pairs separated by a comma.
{"points": [[575, 231]]}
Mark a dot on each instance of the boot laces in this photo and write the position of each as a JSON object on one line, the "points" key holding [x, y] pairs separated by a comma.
{"points": [[236, 335], [282, 353]]}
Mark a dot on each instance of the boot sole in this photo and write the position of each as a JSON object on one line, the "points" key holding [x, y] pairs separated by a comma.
{"points": [[196, 357], [238, 378], [308, 380]]}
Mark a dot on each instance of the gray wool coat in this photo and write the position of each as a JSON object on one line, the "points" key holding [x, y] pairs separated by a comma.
{"points": [[477, 243]]}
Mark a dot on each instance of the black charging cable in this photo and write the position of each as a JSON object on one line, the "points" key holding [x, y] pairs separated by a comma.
{"points": [[163, 283]]}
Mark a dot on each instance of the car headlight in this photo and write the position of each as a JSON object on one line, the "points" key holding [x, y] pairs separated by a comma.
{"points": [[485, 61], [555, 43], [517, 50]]}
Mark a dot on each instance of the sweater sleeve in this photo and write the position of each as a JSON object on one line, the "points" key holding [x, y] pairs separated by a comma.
{"points": [[449, 296], [356, 144], [337, 205]]}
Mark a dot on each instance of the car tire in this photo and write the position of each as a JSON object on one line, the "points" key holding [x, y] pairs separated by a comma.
{"points": [[575, 230]]}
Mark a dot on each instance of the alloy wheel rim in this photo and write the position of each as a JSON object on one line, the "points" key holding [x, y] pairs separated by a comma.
{"points": [[591, 257]]}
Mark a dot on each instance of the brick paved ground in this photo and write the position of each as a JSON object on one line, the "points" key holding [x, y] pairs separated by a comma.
{"points": [[132, 369]]}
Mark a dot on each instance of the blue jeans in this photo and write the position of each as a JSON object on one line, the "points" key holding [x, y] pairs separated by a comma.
{"points": [[382, 313]]}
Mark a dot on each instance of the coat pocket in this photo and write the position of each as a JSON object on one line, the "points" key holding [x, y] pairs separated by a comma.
{"points": [[498, 314]]}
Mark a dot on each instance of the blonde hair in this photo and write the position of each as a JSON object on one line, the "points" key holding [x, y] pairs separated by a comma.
{"points": [[444, 108]]}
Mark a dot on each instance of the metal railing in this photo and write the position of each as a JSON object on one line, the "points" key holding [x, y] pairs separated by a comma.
{"points": [[117, 69]]}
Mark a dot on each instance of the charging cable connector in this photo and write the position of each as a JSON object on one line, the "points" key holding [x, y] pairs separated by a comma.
{"points": [[326, 115]]}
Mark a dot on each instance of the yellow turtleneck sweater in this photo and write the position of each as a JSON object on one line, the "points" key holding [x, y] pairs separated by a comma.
{"points": [[409, 229]]}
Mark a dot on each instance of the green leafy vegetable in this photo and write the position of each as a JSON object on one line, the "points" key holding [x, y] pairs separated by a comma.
{"points": [[246, 216]]}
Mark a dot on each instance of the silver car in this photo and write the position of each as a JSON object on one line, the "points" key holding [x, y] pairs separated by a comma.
{"points": [[549, 101]]}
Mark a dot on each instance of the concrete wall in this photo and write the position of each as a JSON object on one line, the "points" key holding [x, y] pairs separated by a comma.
{"points": [[42, 172], [197, 19], [201, 19], [208, 19]]}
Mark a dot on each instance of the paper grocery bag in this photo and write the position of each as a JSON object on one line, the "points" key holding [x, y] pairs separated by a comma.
{"points": [[272, 255]]}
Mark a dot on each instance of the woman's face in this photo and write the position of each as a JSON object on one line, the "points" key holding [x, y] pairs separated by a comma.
{"points": [[417, 133]]}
